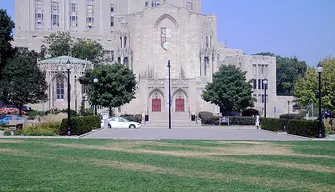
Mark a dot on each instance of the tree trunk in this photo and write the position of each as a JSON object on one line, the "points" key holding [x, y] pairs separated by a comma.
{"points": [[20, 110], [110, 111]]}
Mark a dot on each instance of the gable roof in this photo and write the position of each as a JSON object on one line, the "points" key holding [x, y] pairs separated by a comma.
{"points": [[64, 59]]}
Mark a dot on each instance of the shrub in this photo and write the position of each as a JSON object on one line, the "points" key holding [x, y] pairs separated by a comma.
{"points": [[274, 124], [44, 129], [205, 114], [80, 125], [233, 120], [305, 128], [291, 116]]}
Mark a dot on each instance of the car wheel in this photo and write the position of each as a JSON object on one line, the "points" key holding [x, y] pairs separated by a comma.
{"points": [[109, 126], [132, 127]]}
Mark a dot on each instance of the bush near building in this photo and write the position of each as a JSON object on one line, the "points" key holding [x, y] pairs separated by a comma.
{"points": [[233, 120], [304, 128], [291, 116], [80, 125]]}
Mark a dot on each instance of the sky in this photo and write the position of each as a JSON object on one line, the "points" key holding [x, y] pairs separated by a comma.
{"points": [[301, 28]]}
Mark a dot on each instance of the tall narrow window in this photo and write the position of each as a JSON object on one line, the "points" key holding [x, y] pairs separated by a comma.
{"points": [[60, 87], [89, 14], [73, 15], [146, 3], [39, 14], [124, 42], [112, 15], [255, 83], [55, 13], [207, 44], [190, 4], [205, 65], [121, 41]]}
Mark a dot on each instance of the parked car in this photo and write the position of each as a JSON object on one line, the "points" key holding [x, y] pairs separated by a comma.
{"points": [[7, 118], [119, 123]]}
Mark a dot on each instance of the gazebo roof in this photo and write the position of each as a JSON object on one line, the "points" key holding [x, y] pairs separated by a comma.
{"points": [[63, 60]]}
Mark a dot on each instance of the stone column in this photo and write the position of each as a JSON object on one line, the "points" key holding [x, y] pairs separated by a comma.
{"points": [[122, 59], [210, 70], [201, 66]]}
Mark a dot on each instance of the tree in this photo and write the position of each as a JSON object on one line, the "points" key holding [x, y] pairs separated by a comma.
{"points": [[23, 81], [88, 49], [61, 43], [289, 69], [306, 89], [6, 37], [116, 85], [230, 90]]}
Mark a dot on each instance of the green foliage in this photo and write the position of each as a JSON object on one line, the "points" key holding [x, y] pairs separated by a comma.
{"points": [[305, 128], [80, 125], [288, 70], [229, 90], [45, 129], [306, 89], [233, 120], [274, 124], [88, 49], [205, 114], [6, 50], [23, 81], [61, 43], [291, 116], [116, 85]]}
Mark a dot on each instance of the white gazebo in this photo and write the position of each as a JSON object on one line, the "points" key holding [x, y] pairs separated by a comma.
{"points": [[56, 77]]}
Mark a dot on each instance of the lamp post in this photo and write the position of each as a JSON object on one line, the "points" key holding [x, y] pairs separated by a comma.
{"points": [[95, 81], [319, 69], [169, 67], [265, 82], [68, 67], [288, 108]]}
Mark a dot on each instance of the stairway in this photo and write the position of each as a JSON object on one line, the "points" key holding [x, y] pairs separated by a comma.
{"points": [[178, 119]]}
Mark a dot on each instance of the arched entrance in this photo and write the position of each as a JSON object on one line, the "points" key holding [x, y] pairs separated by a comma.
{"points": [[179, 101], [156, 105], [180, 105], [156, 99]]}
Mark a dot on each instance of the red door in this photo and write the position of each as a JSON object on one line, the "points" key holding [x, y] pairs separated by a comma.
{"points": [[180, 105], [156, 105]]}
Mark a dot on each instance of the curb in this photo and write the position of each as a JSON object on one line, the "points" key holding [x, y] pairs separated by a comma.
{"points": [[93, 131]]}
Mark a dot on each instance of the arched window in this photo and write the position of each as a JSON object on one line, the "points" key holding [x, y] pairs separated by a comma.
{"points": [[190, 4], [60, 87]]}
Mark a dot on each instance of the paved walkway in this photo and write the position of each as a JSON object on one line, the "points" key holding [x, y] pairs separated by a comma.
{"points": [[198, 133]]}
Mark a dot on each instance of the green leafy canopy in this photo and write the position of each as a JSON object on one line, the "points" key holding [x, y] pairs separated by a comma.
{"points": [[116, 85], [230, 89]]}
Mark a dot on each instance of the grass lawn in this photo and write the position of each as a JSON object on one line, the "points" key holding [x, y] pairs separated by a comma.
{"points": [[110, 165]]}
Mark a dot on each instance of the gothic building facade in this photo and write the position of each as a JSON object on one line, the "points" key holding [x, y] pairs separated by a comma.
{"points": [[144, 35]]}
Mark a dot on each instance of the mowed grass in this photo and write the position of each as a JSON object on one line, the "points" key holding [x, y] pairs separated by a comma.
{"points": [[111, 165]]}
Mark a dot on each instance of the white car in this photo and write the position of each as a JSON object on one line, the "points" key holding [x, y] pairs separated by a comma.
{"points": [[119, 122]]}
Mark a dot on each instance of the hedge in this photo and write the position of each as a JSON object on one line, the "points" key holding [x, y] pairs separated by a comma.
{"points": [[80, 125], [291, 116], [233, 120], [305, 128], [273, 124], [205, 114]]}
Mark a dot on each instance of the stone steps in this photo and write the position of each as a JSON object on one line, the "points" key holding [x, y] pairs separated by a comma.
{"points": [[178, 119]]}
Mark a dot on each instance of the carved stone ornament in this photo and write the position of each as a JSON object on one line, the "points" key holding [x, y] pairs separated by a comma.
{"points": [[180, 83], [156, 83]]}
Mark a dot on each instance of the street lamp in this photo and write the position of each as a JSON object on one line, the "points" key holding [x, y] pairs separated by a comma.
{"points": [[265, 82], [95, 81], [169, 67], [288, 109], [68, 67], [319, 69]]}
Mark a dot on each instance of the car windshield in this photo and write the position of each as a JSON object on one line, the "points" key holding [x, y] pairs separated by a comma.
{"points": [[123, 119]]}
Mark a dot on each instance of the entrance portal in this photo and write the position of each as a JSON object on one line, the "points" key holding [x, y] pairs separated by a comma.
{"points": [[156, 105], [180, 105]]}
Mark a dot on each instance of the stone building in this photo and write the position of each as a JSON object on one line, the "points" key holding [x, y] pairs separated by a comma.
{"points": [[57, 79], [144, 35]]}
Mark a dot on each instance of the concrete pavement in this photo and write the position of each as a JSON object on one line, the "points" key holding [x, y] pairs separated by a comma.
{"points": [[198, 133]]}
